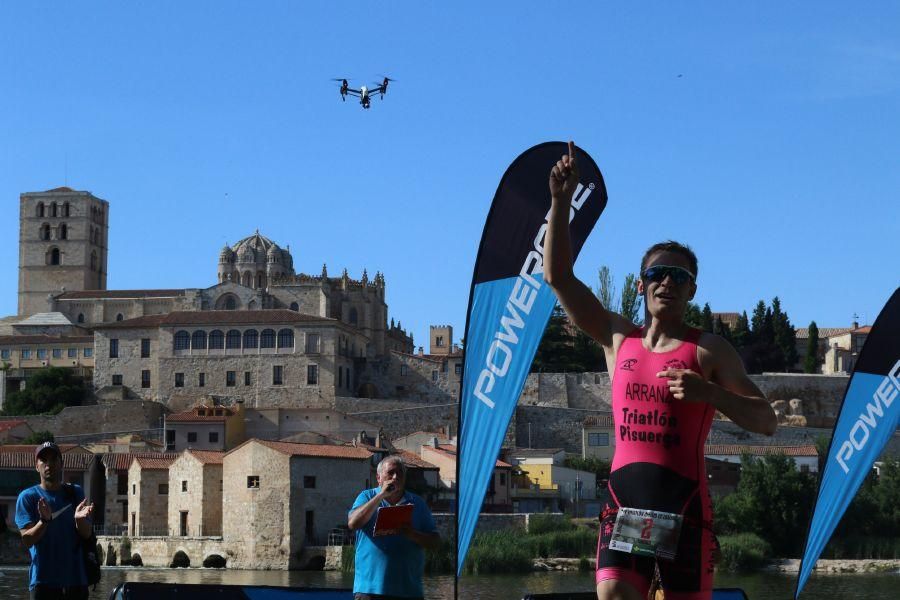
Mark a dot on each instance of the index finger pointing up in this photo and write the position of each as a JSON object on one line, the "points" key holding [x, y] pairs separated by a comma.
{"points": [[571, 151]]}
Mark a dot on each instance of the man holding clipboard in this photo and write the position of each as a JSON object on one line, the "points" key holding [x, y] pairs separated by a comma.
{"points": [[392, 527]]}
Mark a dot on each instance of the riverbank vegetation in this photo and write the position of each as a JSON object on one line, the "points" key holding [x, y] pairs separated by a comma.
{"points": [[769, 515]]}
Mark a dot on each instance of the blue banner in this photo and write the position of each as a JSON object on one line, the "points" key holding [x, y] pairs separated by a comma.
{"points": [[866, 421], [509, 307]]}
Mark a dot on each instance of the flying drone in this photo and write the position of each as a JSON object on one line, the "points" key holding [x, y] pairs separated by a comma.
{"points": [[364, 93]]}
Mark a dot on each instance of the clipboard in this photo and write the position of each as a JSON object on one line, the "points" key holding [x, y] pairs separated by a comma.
{"points": [[390, 519]]}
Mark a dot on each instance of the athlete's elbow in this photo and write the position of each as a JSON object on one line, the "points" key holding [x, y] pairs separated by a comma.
{"points": [[769, 423]]}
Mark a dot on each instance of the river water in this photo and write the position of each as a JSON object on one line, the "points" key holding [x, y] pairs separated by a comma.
{"points": [[760, 586]]}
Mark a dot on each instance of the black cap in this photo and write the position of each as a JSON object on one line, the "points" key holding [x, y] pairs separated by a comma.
{"points": [[47, 446]]}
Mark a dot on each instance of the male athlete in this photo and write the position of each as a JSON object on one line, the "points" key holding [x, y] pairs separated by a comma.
{"points": [[668, 379]]}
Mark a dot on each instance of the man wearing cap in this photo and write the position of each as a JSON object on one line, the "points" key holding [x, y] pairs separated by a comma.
{"points": [[53, 521]]}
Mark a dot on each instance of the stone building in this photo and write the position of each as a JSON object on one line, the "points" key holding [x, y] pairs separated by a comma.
{"points": [[43, 340], [206, 427], [62, 245], [267, 358], [195, 494], [114, 519], [282, 423], [148, 499], [598, 438], [279, 497], [497, 498]]}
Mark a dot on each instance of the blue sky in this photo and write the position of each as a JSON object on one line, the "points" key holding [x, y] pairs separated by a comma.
{"points": [[763, 134]]}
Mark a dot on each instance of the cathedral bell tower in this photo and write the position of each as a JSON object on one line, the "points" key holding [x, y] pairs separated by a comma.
{"points": [[63, 237]]}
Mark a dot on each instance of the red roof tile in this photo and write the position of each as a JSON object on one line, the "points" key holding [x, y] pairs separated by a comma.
{"points": [[414, 461], [737, 449], [121, 461], [64, 448], [155, 463], [72, 461], [598, 421], [317, 450], [207, 457]]}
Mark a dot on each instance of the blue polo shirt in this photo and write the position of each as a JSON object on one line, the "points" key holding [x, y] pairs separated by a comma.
{"points": [[56, 559], [391, 565]]}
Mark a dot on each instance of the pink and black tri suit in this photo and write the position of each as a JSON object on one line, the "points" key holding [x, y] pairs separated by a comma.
{"points": [[658, 465]]}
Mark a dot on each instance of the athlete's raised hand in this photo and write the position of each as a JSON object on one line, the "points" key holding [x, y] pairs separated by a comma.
{"points": [[564, 176], [685, 384]]}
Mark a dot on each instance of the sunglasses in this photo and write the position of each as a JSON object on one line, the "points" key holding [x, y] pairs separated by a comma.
{"points": [[657, 273]]}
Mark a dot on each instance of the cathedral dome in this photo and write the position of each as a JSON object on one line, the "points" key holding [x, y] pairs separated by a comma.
{"points": [[259, 250]]}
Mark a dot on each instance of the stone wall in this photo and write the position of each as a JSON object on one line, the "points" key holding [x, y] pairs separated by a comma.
{"points": [[148, 506], [550, 427], [398, 418], [159, 551], [203, 499], [83, 422]]}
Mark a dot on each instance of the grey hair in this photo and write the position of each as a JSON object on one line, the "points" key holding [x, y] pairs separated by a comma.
{"points": [[393, 458]]}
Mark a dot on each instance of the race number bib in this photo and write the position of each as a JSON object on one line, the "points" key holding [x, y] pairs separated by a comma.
{"points": [[646, 532]]}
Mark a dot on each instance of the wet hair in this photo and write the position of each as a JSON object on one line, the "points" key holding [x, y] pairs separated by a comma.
{"points": [[671, 246], [393, 458]]}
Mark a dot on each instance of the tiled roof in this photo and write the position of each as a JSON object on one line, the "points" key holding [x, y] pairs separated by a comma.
{"points": [[217, 317], [728, 318], [598, 421], [155, 463], [450, 450], [533, 451], [120, 294], [317, 450], [72, 461], [207, 457], [46, 318], [414, 461], [192, 416], [736, 450], [7, 425], [64, 448], [802, 333], [14, 340], [121, 461]]}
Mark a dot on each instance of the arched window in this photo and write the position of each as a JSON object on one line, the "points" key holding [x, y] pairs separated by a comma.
{"points": [[54, 256], [295, 307], [95, 236], [230, 303], [198, 340], [93, 260], [354, 317], [233, 339], [251, 338], [216, 340], [66, 210], [247, 279], [81, 317], [267, 338], [119, 317], [53, 209], [286, 338], [182, 340], [40, 209], [63, 232], [259, 281], [45, 231]]}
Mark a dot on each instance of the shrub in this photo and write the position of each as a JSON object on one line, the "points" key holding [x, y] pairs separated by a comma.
{"points": [[743, 551], [538, 524]]}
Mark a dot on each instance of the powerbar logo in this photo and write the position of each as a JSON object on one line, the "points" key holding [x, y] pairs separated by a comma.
{"points": [[882, 399], [520, 302]]}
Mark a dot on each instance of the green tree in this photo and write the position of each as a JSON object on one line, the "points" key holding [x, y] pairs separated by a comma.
{"points": [[811, 361], [631, 300], [607, 290], [48, 391], [597, 466], [556, 353], [741, 335], [706, 319], [773, 500], [693, 316], [785, 336]]}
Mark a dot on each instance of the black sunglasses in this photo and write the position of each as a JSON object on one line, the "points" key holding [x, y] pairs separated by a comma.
{"points": [[657, 273]]}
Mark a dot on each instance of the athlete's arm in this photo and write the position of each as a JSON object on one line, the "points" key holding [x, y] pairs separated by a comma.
{"points": [[731, 391], [579, 302]]}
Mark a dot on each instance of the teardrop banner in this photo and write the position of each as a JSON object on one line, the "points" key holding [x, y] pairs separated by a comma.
{"points": [[509, 307], [866, 421]]}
